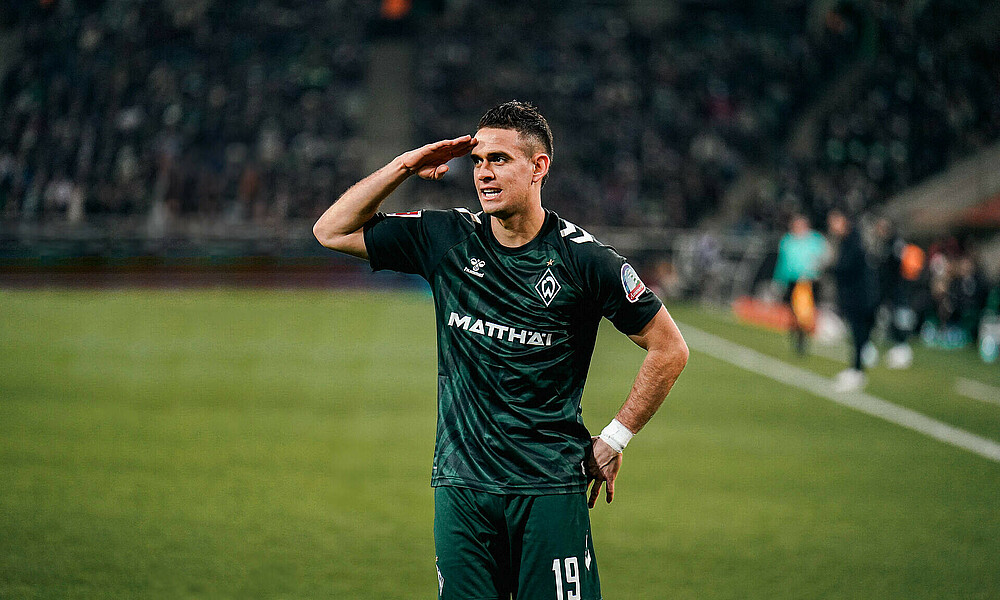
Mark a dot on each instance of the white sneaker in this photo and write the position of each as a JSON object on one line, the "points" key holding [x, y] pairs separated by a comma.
{"points": [[849, 380], [899, 356], [869, 355]]}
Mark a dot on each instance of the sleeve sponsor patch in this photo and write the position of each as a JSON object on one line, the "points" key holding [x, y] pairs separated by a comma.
{"points": [[634, 287], [412, 213]]}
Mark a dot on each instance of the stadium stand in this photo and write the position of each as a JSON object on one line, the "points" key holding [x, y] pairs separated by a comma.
{"points": [[928, 100], [254, 111], [201, 122], [160, 110], [653, 119], [154, 110]]}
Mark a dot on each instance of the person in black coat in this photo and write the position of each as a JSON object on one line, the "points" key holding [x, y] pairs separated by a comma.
{"points": [[857, 293]]}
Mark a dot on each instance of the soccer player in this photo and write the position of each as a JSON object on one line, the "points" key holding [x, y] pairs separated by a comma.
{"points": [[518, 294]]}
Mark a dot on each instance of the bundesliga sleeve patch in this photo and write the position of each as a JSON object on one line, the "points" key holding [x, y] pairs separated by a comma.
{"points": [[634, 287]]}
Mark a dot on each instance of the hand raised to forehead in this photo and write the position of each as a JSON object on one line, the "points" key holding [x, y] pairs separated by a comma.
{"points": [[428, 161]]}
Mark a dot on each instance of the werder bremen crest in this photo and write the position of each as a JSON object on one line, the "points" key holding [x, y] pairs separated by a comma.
{"points": [[547, 287]]}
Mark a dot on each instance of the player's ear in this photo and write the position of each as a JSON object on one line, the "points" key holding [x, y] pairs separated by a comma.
{"points": [[539, 167]]}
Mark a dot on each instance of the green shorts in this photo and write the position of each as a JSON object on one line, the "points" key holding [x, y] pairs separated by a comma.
{"points": [[494, 547]]}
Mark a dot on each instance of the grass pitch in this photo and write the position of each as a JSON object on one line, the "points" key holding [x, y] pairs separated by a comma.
{"points": [[232, 444]]}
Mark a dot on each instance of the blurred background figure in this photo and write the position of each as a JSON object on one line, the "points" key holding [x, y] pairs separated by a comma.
{"points": [[800, 256], [708, 267], [989, 328], [968, 291], [666, 281], [959, 294], [900, 267], [857, 293], [142, 138]]}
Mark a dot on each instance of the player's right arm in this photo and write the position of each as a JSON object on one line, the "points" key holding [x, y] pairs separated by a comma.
{"points": [[341, 227]]}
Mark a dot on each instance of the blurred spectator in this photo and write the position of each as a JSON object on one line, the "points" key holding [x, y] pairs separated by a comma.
{"points": [[968, 292], [929, 100], [708, 268], [900, 267], [667, 282], [652, 120], [959, 293], [175, 111], [857, 293], [800, 255], [248, 110], [989, 327]]}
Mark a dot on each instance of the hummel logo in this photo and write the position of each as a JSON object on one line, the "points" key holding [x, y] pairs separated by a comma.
{"points": [[476, 265]]}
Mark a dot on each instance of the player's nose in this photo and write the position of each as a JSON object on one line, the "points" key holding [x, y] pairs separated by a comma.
{"points": [[483, 172]]}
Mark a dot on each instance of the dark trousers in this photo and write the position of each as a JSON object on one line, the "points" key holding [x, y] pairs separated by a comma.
{"points": [[861, 321], [903, 319]]}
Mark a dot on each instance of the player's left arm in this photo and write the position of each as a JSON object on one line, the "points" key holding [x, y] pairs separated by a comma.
{"points": [[666, 355]]}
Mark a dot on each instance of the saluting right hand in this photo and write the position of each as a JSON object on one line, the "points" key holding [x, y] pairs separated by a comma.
{"points": [[429, 161]]}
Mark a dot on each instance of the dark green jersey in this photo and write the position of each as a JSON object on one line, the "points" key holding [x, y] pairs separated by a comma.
{"points": [[515, 332]]}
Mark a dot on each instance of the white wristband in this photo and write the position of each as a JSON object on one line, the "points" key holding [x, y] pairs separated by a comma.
{"points": [[616, 435]]}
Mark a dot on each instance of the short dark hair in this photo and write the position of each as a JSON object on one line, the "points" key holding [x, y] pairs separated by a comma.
{"points": [[524, 118]]}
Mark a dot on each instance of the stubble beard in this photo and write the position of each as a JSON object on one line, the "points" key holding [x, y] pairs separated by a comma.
{"points": [[500, 212], [510, 208]]}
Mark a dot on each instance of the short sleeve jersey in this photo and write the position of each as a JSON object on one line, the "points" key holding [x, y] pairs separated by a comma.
{"points": [[516, 329]]}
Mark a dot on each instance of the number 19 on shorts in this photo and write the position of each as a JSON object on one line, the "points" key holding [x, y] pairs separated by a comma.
{"points": [[571, 584]]}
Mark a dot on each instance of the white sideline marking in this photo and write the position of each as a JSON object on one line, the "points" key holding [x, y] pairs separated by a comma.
{"points": [[971, 388], [793, 376]]}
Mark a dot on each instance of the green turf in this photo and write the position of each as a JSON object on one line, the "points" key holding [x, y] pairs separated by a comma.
{"points": [[230, 444], [928, 387]]}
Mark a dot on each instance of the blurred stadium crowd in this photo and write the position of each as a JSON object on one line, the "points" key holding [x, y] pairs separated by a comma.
{"points": [[229, 110], [140, 114], [652, 121], [933, 96], [252, 110]]}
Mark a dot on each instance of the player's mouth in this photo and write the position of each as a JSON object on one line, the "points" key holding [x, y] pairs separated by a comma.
{"points": [[490, 193]]}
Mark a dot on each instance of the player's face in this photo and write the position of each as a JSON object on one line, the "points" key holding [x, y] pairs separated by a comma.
{"points": [[504, 171], [836, 224]]}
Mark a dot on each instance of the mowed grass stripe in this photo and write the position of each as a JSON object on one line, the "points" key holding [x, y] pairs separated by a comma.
{"points": [[978, 391], [232, 444], [928, 387], [791, 375]]}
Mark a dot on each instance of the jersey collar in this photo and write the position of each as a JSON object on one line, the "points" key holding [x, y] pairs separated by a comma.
{"points": [[547, 225]]}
